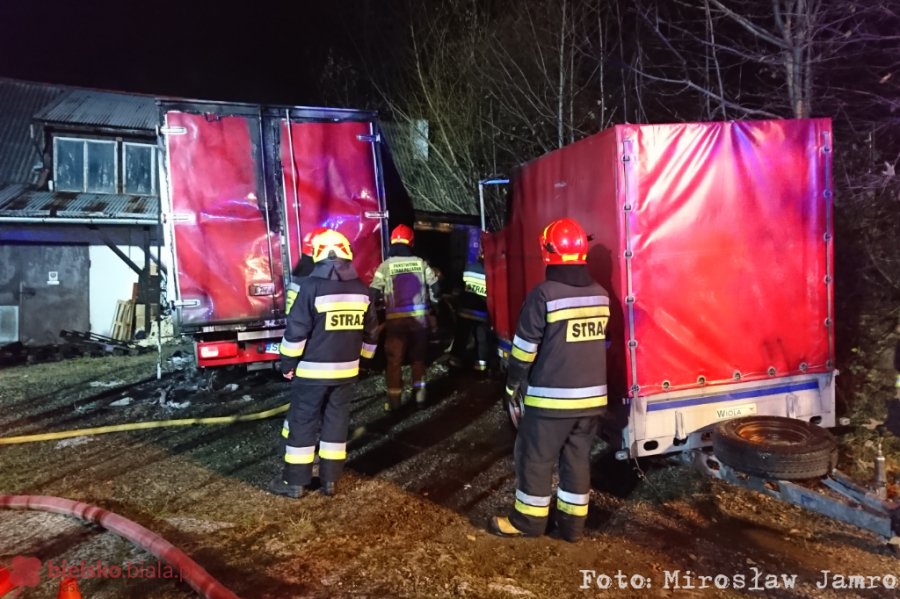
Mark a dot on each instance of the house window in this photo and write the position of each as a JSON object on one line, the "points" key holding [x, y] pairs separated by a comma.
{"points": [[69, 162], [139, 177], [92, 165], [101, 166]]}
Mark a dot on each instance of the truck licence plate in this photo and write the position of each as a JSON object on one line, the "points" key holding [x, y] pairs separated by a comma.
{"points": [[272, 348], [729, 412]]}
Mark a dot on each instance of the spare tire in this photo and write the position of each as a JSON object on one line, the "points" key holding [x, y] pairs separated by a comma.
{"points": [[775, 447]]}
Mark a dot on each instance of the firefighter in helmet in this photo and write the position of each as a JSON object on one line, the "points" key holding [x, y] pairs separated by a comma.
{"points": [[472, 319], [331, 325], [303, 268], [409, 289], [558, 366]]}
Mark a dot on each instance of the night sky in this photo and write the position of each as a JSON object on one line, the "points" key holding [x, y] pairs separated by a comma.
{"points": [[263, 51]]}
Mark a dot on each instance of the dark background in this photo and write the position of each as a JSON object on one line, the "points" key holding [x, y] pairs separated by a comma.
{"points": [[257, 51]]}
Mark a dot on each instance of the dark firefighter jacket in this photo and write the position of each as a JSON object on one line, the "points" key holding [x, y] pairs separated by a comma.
{"points": [[473, 304], [304, 267], [559, 350], [331, 325]]}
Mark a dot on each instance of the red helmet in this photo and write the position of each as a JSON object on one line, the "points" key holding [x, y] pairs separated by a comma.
{"points": [[307, 244], [564, 242], [402, 234]]}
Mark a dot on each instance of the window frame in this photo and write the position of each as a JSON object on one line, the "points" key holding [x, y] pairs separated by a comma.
{"points": [[153, 177], [120, 157]]}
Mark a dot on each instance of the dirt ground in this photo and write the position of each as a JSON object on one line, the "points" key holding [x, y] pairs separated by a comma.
{"points": [[409, 518]]}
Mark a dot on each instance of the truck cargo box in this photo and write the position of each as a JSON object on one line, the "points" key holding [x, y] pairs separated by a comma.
{"points": [[714, 241], [242, 184]]}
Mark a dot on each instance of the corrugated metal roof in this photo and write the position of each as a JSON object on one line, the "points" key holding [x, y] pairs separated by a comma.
{"points": [[102, 109], [19, 100], [8, 193], [60, 204]]}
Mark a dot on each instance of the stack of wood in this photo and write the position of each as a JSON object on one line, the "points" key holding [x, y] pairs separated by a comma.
{"points": [[129, 317], [123, 321]]}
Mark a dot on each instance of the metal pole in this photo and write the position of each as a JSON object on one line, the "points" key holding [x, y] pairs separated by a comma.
{"points": [[481, 205], [144, 281], [379, 187], [159, 304], [265, 191], [287, 114], [481, 185], [77, 221]]}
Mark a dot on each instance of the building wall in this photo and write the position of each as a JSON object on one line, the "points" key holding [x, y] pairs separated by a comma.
{"points": [[49, 286], [111, 280]]}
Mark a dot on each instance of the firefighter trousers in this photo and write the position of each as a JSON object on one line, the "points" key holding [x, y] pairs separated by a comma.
{"points": [[404, 337], [484, 345], [541, 444], [317, 413]]}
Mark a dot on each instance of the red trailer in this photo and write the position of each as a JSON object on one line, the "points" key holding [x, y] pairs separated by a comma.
{"points": [[241, 185], [714, 241]]}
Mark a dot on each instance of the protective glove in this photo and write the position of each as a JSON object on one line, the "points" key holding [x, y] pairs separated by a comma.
{"points": [[514, 405]]}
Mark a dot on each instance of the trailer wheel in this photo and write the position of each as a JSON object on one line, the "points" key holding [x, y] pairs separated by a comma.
{"points": [[775, 447]]}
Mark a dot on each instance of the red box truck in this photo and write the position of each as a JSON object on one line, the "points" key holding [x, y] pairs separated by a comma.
{"points": [[241, 185], [714, 241]]}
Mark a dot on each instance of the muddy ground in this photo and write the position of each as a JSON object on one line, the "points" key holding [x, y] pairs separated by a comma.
{"points": [[409, 519]]}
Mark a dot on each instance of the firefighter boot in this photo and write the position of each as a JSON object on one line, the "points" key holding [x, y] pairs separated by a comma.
{"points": [[502, 527], [392, 401], [279, 486], [328, 488], [420, 393]]}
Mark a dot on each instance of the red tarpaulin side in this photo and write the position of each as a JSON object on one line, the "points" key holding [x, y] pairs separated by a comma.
{"points": [[336, 185], [727, 227], [577, 181], [730, 257], [219, 226]]}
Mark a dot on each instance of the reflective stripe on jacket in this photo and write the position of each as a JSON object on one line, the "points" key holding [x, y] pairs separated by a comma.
{"points": [[473, 304]]}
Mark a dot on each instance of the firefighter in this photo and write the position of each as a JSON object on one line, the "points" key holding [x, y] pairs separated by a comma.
{"points": [[558, 362], [331, 325], [472, 317], [409, 289], [303, 268]]}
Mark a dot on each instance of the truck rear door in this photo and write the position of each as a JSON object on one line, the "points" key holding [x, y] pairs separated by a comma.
{"points": [[227, 266], [330, 178]]}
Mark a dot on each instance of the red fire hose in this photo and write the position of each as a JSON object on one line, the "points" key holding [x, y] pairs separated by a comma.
{"points": [[199, 579]]}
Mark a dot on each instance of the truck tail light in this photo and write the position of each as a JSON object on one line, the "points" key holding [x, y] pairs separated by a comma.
{"points": [[211, 351]]}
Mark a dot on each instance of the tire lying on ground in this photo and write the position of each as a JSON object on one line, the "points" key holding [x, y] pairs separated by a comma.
{"points": [[775, 447]]}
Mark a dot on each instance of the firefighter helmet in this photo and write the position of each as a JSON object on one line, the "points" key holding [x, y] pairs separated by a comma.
{"points": [[402, 234], [564, 242], [330, 244], [307, 243]]}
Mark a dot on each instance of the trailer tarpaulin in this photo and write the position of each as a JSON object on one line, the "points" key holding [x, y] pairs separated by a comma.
{"points": [[219, 219], [335, 183], [718, 233]]}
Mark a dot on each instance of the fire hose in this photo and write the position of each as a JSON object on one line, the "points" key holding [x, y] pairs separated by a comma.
{"points": [[134, 426], [194, 574]]}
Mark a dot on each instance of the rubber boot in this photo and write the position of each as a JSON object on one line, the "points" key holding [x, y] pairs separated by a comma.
{"points": [[392, 401]]}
